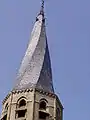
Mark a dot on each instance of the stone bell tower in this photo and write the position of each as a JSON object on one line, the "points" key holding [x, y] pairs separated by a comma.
{"points": [[33, 96]]}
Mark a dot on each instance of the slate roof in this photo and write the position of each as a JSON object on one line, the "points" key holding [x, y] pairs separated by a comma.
{"points": [[35, 70]]}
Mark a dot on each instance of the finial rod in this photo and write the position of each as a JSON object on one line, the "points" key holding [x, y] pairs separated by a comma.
{"points": [[42, 4], [42, 8]]}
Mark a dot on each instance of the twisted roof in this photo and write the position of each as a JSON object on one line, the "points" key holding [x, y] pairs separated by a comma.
{"points": [[35, 70]]}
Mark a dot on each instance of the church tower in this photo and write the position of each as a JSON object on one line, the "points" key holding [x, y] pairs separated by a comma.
{"points": [[33, 96]]}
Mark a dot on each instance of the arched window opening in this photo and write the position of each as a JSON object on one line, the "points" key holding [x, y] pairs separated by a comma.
{"points": [[22, 103], [6, 107], [21, 108], [4, 118], [42, 105], [58, 112], [43, 114]]}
